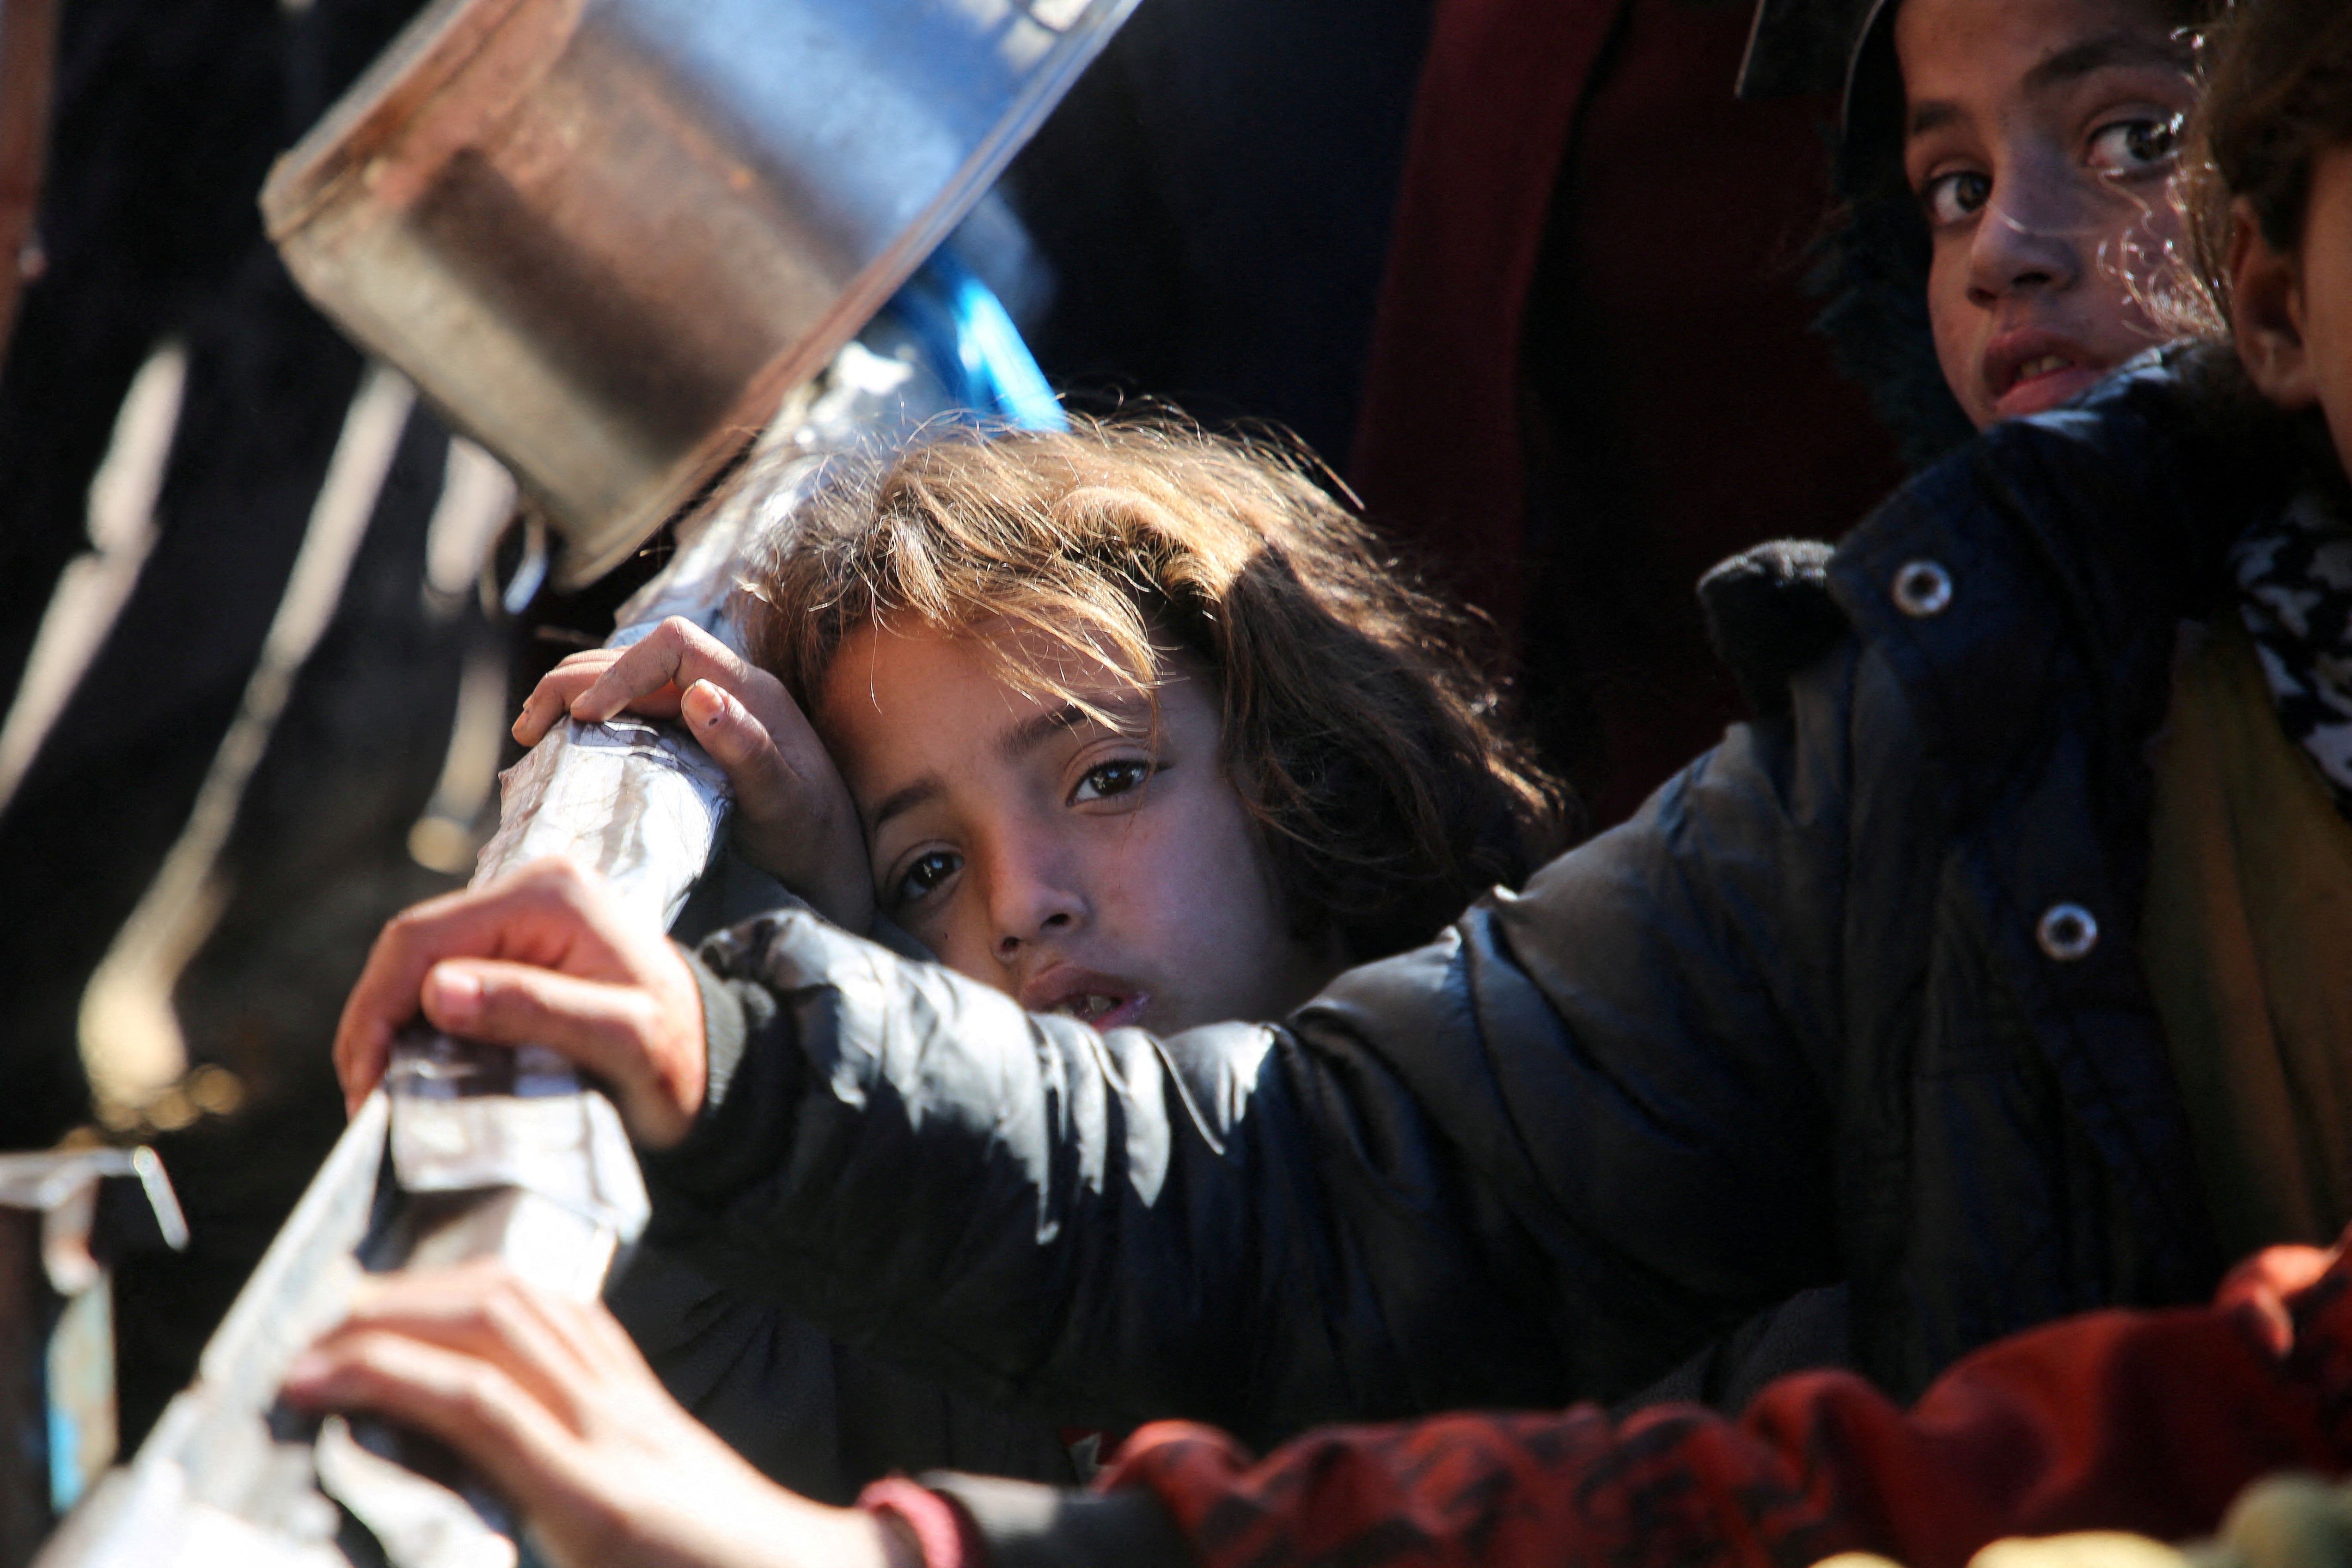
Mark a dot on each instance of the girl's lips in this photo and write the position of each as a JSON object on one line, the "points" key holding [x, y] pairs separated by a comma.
{"points": [[1098, 1001], [2042, 387]]}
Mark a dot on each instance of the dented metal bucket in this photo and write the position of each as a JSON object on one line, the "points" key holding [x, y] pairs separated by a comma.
{"points": [[605, 236]]}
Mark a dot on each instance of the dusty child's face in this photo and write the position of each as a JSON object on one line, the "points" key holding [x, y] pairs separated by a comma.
{"points": [[2039, 136], [2324, 276], [1106, 873]]}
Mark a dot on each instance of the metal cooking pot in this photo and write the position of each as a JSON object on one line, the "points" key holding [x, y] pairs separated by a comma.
{"points": [[606, 237]]}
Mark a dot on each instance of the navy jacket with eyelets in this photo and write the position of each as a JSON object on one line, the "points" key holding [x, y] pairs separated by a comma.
{"points": [[1856, 999]]}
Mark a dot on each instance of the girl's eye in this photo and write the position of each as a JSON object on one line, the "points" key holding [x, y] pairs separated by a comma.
{"points": [[2135, 146], [1956, 198], [1110, 779], [927, 873]]}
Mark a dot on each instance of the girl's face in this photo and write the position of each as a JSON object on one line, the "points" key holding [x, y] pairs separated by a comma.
{"points": [[2292, 312], [1101, 870], [2039, 137]]}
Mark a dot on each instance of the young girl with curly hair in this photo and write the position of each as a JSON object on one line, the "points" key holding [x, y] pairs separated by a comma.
{"points": [[1135, 723], [1132, 723]]}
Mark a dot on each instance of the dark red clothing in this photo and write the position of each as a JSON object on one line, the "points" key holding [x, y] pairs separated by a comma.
{"points": [[1592, 374], [1437, 448], [2150, 1422]]}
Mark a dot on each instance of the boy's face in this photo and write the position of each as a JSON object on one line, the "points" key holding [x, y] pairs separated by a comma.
{"points": [[2039, 136], [1108, 872]]}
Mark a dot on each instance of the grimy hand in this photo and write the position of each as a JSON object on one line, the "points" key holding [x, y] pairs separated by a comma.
{"points": [[794, 817], [545, 956]]}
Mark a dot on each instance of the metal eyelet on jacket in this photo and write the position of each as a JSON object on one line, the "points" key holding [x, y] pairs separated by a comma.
{"points": [[1922, 587], [2067, 932]]}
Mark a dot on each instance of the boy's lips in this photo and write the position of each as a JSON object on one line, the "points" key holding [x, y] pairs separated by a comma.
{"points": [[1102, 1001], [2029, 370]]}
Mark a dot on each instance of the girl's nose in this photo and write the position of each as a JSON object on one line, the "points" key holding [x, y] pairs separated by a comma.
{"points": [[1032, 895]]}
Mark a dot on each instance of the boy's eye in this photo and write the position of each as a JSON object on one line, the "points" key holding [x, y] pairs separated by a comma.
{"points": [[2135, 146], [1956, 198], [1100, 783], [927, 873]]}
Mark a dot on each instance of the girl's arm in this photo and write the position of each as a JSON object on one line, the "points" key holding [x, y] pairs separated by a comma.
{"points": [[1545, 1157]]}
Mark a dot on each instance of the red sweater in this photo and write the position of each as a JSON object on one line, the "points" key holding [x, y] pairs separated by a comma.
{"points": [[2148, 1422]]}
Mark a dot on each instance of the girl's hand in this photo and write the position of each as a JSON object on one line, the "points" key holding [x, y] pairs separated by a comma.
{"points": [[543, 956], [793, 818], [550, 1402]]}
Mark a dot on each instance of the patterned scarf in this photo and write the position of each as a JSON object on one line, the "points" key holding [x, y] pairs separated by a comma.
{"points": [[2295, 591]]}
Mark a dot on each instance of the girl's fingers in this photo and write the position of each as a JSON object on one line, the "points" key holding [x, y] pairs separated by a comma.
{"points": [[673, 656], [794, 817], [764, 787], [478, 921], [557, 690], [550, 913], [648, 677], [645, 677], [741, 715], [644, 1041], [471, 1404], [543, 1341]]}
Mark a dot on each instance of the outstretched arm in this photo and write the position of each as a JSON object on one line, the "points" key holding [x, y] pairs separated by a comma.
{"points": [[2149, 1422], [1546, 1156]]}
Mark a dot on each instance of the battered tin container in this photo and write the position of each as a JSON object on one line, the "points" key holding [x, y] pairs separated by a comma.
{"points": [[605, 236]]}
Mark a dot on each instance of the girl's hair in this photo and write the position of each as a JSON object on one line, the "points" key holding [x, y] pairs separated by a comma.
{"points": [[2278, 93], [1871, 261], [1358, 730]]}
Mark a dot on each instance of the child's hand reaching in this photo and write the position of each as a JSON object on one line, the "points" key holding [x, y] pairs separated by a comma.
{"points": [[793, 818], [547, 1400], [545, 955]]}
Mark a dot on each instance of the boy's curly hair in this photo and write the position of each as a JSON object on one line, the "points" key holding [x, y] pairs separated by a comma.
{"points": [[1358, 730], [1870, 265]]}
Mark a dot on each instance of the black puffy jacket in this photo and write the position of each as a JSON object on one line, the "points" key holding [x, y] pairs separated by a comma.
{"points": [[1857, 996]]}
